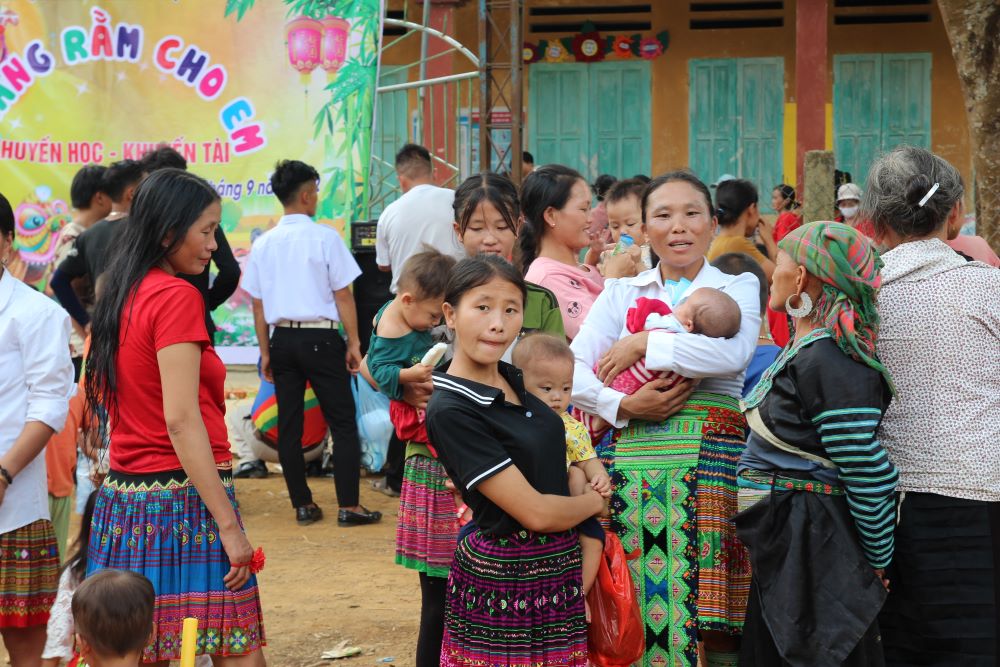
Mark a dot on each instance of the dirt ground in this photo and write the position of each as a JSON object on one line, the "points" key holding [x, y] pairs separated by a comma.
{"points": [[324, 584]]}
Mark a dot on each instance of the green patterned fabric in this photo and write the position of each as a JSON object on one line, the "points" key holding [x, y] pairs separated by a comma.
{"points": [[691, 574]]}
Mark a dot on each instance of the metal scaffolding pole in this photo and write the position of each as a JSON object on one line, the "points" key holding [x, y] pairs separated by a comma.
{"points": [[500, 84]]}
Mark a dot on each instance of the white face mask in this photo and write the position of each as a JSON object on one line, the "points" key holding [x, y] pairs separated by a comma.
{"points": [[849, 211]]}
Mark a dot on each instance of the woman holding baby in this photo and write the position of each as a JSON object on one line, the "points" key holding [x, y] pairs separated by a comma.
{"points": [[667, 456]]}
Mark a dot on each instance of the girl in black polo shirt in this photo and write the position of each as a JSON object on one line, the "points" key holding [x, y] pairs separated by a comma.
{"points": [[515, 592]]}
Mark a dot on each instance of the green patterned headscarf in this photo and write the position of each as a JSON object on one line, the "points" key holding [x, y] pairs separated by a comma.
{"points": [[848, 265]]}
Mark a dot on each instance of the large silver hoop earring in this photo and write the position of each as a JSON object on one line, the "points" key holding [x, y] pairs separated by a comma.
{"points": [[803, 309]]}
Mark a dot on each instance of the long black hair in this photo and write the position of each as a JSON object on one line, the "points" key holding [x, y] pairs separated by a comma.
{"points": [[77, 562], [489, 188], [545, 187], [165, 206]]}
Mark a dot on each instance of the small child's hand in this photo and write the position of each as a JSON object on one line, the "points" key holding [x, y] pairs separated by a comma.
{"points": [[417, 373], [601, 483]]}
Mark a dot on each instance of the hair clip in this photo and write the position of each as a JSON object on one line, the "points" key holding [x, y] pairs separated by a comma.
{"points": [[930, 193]]}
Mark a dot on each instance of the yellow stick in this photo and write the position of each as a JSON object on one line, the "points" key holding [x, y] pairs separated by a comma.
{"points": [[189, 642]]}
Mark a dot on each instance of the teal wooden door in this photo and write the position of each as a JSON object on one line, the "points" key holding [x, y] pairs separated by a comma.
{"points": [[879, 102], [857, 112], [620, 119], [594, 118], [712, 118], [391, 133], [906, 99], [559, 116], [760, 82], [736, 116]]}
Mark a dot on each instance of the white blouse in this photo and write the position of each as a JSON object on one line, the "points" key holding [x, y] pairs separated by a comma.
{"points": [[940, 339], [35, 385], [719, 363]]}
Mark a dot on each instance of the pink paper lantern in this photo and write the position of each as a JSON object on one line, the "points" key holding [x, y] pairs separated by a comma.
{"points": [[335, 31], [304, 35]]}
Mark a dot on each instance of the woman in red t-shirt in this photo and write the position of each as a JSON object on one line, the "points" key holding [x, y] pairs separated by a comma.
{"points": [[789, 215], [167, 508]]}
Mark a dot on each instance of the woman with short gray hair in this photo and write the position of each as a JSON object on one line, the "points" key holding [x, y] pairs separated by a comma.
{"points": [[940, 340]]}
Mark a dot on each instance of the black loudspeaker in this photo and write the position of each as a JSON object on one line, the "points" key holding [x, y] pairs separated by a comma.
{"points": [[371, 289]]}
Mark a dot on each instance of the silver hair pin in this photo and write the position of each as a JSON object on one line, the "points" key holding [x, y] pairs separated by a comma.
{"points": [[930, 193]]}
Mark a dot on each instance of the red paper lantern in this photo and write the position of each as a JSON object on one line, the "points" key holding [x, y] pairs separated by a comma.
{"points": [[304, 35], [334, 45]]}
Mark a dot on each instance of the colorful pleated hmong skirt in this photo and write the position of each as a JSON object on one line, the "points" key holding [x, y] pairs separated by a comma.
{"points": [[515, 601], [158, 526], [674, 498], [428, 526], [29, 574]]}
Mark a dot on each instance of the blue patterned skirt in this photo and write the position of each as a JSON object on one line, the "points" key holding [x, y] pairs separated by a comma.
{"points": [[157, 525]]}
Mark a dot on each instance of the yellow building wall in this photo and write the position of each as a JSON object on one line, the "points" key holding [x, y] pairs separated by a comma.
{"points": [[669, 72]]}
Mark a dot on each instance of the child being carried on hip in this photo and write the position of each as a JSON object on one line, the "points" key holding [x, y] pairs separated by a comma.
{"points": [[402, 338], [547, 364]]}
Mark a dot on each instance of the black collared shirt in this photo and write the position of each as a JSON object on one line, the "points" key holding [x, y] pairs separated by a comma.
{"points": [[477, 434]]}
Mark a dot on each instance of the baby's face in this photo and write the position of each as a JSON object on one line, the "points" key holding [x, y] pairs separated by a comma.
{"points": [[551, 380], [625, 217], [684, 313], [422, 314]]}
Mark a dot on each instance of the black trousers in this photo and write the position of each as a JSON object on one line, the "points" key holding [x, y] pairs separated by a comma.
{"points": [[395, 459], [316, 356]]}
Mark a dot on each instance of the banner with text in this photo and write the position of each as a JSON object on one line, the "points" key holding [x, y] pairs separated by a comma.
{"points": [[233, 85]]}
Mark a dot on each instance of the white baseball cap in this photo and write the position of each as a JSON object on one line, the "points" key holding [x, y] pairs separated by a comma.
{"points": [[723, 179], [848, 191]]}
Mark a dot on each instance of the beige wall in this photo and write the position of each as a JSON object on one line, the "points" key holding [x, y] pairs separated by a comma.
{"points": [[669, 95]]}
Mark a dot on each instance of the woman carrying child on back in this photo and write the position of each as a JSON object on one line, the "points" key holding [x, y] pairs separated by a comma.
{"points": [[515, 591], [427, 526]]}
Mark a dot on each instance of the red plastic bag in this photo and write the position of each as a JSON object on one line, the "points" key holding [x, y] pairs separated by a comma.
{"points": [[615, 638]]}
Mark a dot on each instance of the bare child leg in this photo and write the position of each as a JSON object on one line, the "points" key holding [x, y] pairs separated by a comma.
{"points": [[591, 548], [593, 551]]}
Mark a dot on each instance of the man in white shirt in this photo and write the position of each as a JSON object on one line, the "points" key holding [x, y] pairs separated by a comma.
{"points": [[300, 276], [424, 214]]}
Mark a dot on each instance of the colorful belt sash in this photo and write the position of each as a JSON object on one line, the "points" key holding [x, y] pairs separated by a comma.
{"points": [[756, 479]]}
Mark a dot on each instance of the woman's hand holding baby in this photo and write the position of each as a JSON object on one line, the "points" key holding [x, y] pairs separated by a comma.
{"points": [[621, 356]]}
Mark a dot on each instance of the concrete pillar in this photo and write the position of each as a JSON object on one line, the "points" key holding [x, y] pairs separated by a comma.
{"points": [[811, 81], [818, 200]]}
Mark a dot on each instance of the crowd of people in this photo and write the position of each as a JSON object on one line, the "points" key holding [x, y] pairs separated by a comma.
{"points": [[790, 423]]}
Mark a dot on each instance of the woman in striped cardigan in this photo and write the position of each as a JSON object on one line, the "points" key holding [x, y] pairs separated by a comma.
{"points": [[816, 484]]}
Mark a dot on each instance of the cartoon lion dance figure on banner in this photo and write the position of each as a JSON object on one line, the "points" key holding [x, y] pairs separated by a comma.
{"points": [[37, 226]]}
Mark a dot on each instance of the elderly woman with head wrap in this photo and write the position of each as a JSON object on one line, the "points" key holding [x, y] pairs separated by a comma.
{"points": [[816, 484]]}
